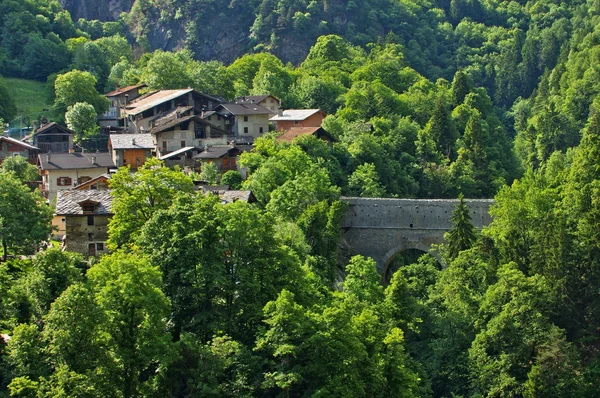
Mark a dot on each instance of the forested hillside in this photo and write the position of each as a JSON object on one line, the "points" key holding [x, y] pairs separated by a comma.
{"points": [[441, 99]]}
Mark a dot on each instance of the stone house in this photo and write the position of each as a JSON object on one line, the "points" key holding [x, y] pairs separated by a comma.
{"points": [[225, 158], [287, 119], [86, 215], [242, 120], [131, 149], [51, 137], [62, 171], [183, 129], [118, 98], [268, 101], [11, 147], [143, 111]]}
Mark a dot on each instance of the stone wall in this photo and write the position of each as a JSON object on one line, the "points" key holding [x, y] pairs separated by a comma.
{"points": [[382, 228], [78, 232]]}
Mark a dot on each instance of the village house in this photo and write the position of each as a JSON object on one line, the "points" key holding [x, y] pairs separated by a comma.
{"points": [[51, 137], [62, 171], [97, 183], [225, 158], [227, 195], [181, 128], [268, 101], [118, 99], [131, 149], [142, 112], [295, 132], [86, 215], [241, 120], [11, 147], [287, 119]]}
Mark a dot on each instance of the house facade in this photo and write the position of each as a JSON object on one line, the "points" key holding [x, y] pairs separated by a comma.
{"points": [[86, 215], [131, 149], [225, 158], [11, 147], [143, 111], [62, 171], [118, 99], [183, 129], [51, 137], [287, 119], [242, 120]]}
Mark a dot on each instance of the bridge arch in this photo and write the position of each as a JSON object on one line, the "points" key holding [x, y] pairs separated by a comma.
{"points": [[382, 228], [393, 254]]}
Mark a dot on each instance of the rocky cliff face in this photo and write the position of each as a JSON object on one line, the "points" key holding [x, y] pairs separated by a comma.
{"points": [[104, 10]]}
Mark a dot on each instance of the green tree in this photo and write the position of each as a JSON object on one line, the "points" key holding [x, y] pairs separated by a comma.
{"points": [[365, 182], [233, 178], [463, 235], [24, 219], [209, 173], [20, 168], [137, 196], [77, 86], [166, 70], [127, 290], [81, 117]]}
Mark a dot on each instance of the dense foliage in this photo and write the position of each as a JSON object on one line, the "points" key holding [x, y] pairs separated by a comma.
{"points": [[204, 299]]}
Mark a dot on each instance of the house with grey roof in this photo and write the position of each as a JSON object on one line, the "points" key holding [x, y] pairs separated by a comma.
{"points": [[51, 137], [62, 171], [242, 120], [85, 215], [118, 98], [270, 102], [225, 158], [131, 149]]}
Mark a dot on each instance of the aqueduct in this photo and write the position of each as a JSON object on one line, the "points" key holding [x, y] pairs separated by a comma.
{"points": [[382, 228]]}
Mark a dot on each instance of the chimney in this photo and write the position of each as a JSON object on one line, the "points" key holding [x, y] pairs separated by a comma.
{"points": [[126, 99], [279, 112], [48, 158], [232, 144], [71, 149], [133, 141], [205, 148], [93, 160]]}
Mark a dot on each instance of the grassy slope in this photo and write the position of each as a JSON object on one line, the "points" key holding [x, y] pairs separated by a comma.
{"points": [[29, 97]]}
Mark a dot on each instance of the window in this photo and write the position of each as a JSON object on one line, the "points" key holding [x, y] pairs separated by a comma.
{"points": [[295, 122], [88, 207], [245, 130], [91, 249], [260, 130], [183, 144], [90, 220], [164, 146], [245, 118], [63, 181], [199, 132], [100, 247]]}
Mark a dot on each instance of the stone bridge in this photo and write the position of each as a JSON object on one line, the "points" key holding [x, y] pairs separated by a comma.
{"points": [[383, 228]]}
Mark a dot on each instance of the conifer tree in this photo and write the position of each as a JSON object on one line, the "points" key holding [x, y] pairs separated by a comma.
{"points": [[462, 236], [460, 87]]}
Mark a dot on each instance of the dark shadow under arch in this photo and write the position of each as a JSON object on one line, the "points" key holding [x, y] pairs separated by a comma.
{"points": [[401, 258]]}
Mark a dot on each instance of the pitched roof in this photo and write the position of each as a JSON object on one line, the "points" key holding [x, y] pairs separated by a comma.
{"points": [[171, 114], [131, 141], [228, 195], [254, 99], [153, 99], [144, 103], [105, 177], [295, 114], [20, 143], [72, 161], [176, 121], [295, 132], [123, 90], [68, 202], [246, 109], [48, 126]]}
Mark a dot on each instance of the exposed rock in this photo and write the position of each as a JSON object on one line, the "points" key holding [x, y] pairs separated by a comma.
{"points": [[103, 10]]}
